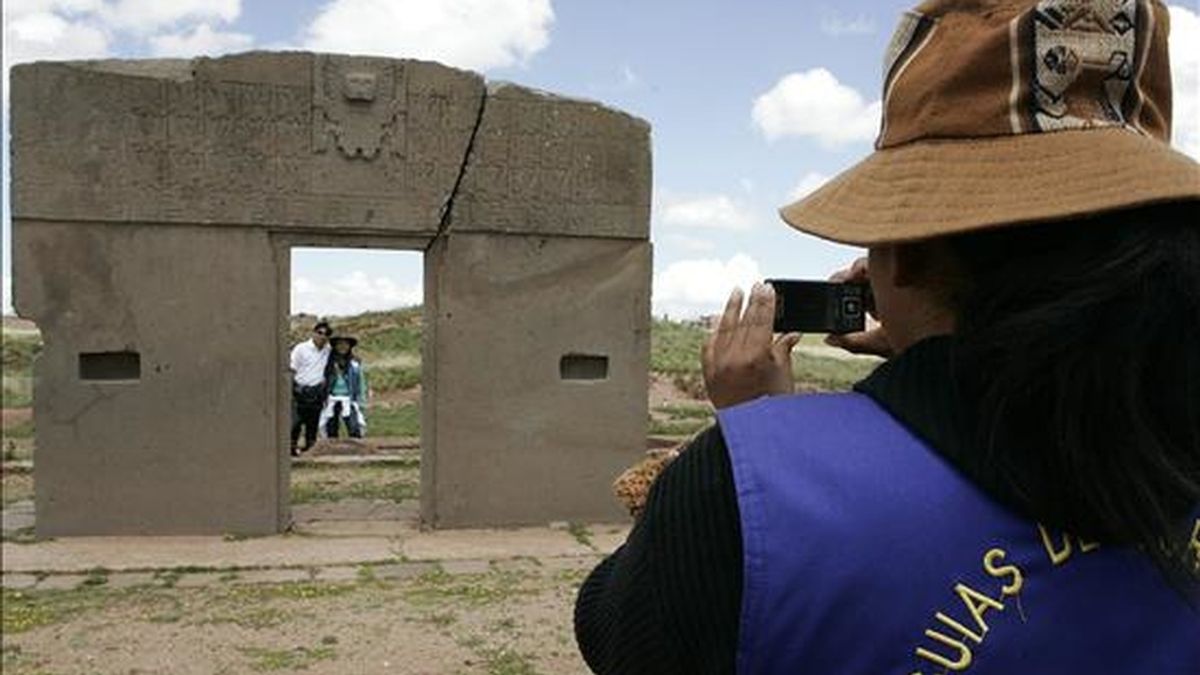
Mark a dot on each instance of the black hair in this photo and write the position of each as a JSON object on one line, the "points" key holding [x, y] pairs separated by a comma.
{"points": [[322, 324], [1080, 344]]}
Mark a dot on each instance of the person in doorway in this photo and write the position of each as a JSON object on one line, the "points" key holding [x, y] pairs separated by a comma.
{"points": [[308, 362], [346, 382], [1016, 489]]}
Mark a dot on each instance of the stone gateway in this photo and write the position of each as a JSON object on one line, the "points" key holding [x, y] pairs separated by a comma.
{"points": [[154, 206]]}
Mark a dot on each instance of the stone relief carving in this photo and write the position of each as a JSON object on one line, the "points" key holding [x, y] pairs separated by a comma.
{"points": [[359, 107]]}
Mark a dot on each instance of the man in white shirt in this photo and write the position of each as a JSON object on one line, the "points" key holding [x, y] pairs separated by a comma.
{"points": [[308, 361]]}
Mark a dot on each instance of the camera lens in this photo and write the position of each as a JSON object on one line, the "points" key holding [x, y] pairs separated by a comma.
{"points": [[851, 308]]}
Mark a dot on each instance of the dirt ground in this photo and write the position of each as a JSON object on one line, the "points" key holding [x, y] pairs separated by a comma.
{"points": [[513, 619]]}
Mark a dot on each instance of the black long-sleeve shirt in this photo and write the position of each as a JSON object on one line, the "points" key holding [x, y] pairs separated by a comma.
{"points": [[668, 601]]}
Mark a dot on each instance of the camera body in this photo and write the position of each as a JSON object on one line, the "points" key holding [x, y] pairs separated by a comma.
{"points": [[821, 306]]}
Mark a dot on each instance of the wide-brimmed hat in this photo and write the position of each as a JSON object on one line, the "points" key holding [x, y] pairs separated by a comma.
{"points": [[1011, 111], [353, 342]]}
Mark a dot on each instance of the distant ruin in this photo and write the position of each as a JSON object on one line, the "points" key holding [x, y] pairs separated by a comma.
{"points": [[154, 206]]}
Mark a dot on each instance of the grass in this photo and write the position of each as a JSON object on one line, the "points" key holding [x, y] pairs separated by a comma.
{"points": [[829, 374], [675, 347], [505, 661], [379, 333], [675, 352], [580, 533], [18, 352], [264, 660], [27, 611], [394, 420], [476, 611], [438, 589], [384, 379], [681, 419], [326, 483], [24, 429], [17, 390]]}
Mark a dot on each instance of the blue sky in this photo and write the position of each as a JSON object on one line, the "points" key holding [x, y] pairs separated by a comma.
{"points": [[751, 103]]}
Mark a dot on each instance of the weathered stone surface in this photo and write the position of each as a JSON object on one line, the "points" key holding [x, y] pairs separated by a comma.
{"points": [[276, 576], [80, 554], [16, 517], [188, 447], [155, 204], [607, 538], [340, 573], [310, 140], [491, 544], [522, 445], [542, 164], [17, 582], [403, 571]]}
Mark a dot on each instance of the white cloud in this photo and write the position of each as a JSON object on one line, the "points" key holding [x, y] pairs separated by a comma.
{"points": [[474, 34], [690, 244], [85, 29], [814, 104], [705, 211], [837, 26], [693, 288], [201, 39], [809, 183], [23, 7], [629, 79], [149, 15], [46, 35], [1185, 78], [352, 294]]}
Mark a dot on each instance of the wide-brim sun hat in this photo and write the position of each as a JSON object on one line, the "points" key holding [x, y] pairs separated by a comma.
{"points": [[352, 341], [1009, 112]]}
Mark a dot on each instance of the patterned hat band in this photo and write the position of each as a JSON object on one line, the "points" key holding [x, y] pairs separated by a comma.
{"points": [[972, 90], [1025, 67]]}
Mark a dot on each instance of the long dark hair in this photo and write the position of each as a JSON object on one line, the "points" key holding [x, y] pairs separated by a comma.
{"points": [[1080, 344]]}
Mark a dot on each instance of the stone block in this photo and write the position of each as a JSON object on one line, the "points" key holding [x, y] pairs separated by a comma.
{"points": [[514, 438], [549, 165], [154, 205], [286, 140]]}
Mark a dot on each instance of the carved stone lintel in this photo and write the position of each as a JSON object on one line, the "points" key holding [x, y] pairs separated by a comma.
{"points": [[359, 107]]}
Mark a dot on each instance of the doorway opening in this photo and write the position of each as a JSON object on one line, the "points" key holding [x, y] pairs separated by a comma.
{"points": [[362, 473]]}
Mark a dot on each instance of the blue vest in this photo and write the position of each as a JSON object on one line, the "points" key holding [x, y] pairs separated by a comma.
{"points": [[866, 552]]}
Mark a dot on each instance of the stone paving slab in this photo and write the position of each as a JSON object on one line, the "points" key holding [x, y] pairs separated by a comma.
{"points": [[198, 580], [607, 538], [130, 580], [19, 582], [16, 516], [402, 571], [78, 554], [355, 528], [466, 567], [336, 574], [571, 564], [61, 582], [357, 509], [491, 544], [277, 576]]}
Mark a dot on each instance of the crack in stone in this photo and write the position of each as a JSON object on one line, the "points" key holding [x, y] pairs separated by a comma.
{"points": [[448, 205]]}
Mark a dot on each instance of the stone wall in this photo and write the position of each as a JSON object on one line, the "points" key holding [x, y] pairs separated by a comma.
{"points": [[154, 204]]}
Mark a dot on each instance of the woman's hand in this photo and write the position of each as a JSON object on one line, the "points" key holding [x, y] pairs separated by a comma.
{"points": [[742, 360], [874, 340]]}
